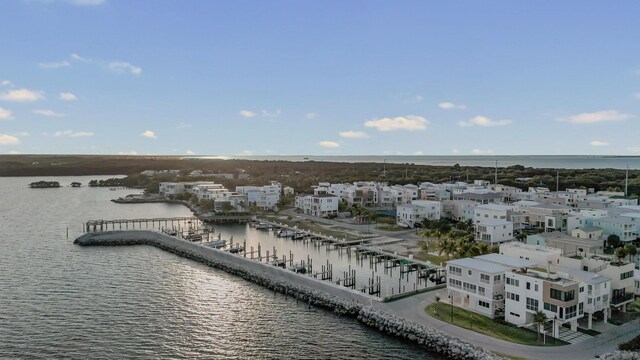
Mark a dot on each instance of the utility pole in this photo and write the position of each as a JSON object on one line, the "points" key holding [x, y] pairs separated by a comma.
{"points": [[626, 181], [557, 180], [495, 182]]}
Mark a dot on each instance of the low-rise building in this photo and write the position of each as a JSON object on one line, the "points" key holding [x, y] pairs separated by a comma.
{"points": [[494, 231], [476, 285], [624, 227], [408, 215], [321, 205], [568, 244]]}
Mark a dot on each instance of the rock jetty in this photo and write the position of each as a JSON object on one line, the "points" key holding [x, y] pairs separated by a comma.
{"points": [[318, 293]]}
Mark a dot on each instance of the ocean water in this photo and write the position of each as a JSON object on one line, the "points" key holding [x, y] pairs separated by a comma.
{"points": [[59, 300], [535, 161]]}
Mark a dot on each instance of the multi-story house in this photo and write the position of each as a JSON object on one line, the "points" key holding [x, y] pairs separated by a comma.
{"points": [[498, 212], [624, 227], [321, 205], [494, 231]]}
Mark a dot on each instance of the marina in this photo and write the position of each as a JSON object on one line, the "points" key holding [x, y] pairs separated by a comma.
{"points": [[356, 264]]}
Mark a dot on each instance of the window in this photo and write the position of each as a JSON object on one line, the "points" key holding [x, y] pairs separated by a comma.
{"points": [[562, 295], [512, 296], [550, 307], [528, 285], [532, 304], [535, 287], [626, 275], [485, 278], [469, 287], [454, 270], [571, 311], [497, 278], [514, 282], [581, 309], [481, 291], [581, 289], [484, 304], [514, 314], [469, 272]]}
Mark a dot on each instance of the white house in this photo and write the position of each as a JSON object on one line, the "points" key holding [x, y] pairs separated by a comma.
{"points": [[494, 231], [498, 212], [543, 256], [528, 291], [321, 205], [476, 285], [409, 215]]}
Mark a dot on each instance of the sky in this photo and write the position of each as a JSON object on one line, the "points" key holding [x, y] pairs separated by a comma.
{"points": [[341, 77]]}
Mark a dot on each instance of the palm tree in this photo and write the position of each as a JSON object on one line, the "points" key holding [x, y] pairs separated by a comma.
{"points": [[483, 248], [539, 319], [446, 246], [464, 248], [621, 253], [632, 251]]}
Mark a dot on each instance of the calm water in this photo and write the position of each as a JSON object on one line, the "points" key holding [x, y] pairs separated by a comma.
{"points": [[61, 300], [535, 161]]}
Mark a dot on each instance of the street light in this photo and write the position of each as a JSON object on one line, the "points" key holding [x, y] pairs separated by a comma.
{"points": [[470, 313], [451, 300]]}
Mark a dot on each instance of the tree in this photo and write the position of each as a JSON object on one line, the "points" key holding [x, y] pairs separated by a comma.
{"points": [[621, 252], [613, 241], [446, 246], [632, 251], [483, 248], [539, 319]]}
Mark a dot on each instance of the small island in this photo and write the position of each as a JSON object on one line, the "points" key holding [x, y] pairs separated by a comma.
{"points": [[76, 184], [44, 184]]}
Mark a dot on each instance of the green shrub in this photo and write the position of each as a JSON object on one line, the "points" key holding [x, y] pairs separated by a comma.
{"points": [[632, 345]]}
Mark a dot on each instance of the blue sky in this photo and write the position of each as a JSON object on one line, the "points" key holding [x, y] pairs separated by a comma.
{"points": [[319, 77]]}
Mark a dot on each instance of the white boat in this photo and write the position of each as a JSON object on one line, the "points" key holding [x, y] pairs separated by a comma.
{"points": [[263, 225], [286, 233], [216, 244]]}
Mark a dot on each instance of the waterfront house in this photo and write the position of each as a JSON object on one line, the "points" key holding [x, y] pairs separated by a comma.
{"points": [[494, 231]]}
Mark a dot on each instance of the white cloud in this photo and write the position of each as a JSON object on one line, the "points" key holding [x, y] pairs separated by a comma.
{"points": [[8, 140], [598, 143], [75, 56], [481, 152], [71, 133], [596, 117], [409, 123], [449, 106], [21, 95], [353, 134], [13, 152], [247, 113], [634, 149], [128, 153], [5, 114], [86, 2], [418, 153], [21, 134], [311, 116], [149, 134], [455, 151], [483, 121], [329, 144], [419, 98], [189, 152], [121, 66], [274, 114], [54, 65], [49, 113], [6, 83], [67, 96]]}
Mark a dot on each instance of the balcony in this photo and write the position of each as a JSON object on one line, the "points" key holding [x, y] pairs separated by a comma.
{"points": [[616, 300]]}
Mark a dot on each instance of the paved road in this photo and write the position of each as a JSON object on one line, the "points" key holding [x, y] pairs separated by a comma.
{"points": [[412, 308]]}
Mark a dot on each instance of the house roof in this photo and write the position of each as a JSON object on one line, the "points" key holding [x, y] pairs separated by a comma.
{"points": [[585, 276], [494, 222], [615, 220], [499, 207], [505, 260], [589, 228], [480, 265]]}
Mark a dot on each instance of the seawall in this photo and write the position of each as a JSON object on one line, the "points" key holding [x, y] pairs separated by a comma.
{"points": [[340, 300]]}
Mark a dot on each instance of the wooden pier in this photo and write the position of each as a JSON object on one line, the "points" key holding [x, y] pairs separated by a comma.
{"points": [[132, 224]]}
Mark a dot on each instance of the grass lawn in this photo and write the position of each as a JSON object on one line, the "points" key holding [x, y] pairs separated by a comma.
{"points": [[435, 259], [484, 325]]}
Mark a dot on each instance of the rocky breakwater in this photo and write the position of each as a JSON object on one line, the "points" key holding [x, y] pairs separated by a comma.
{"points": [[318, 293]]}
